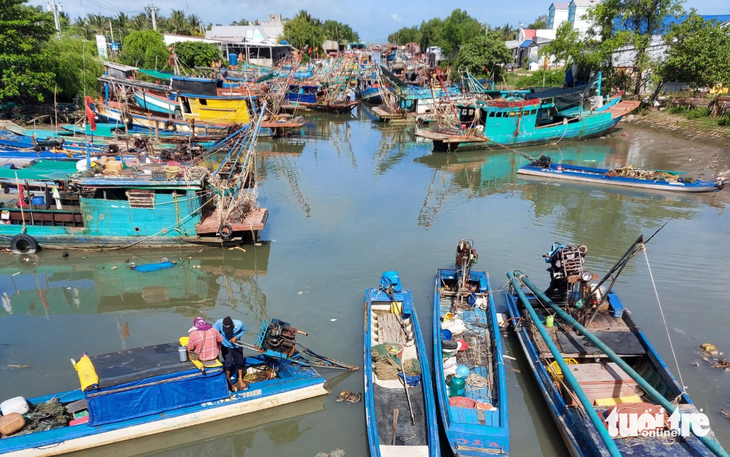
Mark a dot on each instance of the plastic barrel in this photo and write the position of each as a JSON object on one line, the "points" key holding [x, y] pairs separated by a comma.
{"points": [[233, 59], [38, 201]]}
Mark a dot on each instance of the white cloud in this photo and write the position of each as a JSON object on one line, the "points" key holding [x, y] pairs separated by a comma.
{"points": [[395, 17]]}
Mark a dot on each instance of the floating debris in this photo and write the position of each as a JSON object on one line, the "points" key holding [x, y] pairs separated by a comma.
{"points": [[13, 365], [351, 397], [709, 348]]}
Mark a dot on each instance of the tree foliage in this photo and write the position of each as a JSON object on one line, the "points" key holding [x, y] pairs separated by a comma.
{"points": [[304, 31], [23, 32], [484, 55], [459, 28], [540, 23], [197, 54], [74, 74], [698, 53], [144, 49], [339, 32], [406, 35]]}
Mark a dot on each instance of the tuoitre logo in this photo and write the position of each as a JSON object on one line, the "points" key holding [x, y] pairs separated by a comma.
{"points": [[622, 424]]}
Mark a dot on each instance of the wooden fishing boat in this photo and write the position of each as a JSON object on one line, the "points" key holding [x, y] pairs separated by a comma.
{"points": [[476, 423], [593, 364], [623, 177], [531, 119], [401, 419], [114, 404]]}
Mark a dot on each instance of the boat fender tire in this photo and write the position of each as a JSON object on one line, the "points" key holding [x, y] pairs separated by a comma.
{"points": [[23, 244], [225, 231], [170, 126]]}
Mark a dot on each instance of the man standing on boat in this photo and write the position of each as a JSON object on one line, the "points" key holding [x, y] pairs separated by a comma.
{"points": [[232, 330], [204, 341]]}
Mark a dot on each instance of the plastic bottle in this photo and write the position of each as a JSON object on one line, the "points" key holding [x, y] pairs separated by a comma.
{"points": [[456, 387]]}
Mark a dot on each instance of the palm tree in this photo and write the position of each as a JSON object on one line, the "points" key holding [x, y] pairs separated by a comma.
{"points": [[196, 24], [178, 23], [140, 22], [98, 23], [121, 25], [83, 29]]}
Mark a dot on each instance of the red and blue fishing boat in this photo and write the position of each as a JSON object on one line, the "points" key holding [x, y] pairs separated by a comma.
{"points": [[467, 338], [400, 409]]}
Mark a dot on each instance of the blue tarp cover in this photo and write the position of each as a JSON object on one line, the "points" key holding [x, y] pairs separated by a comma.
{"points": [[153, 267], [149, 380]]}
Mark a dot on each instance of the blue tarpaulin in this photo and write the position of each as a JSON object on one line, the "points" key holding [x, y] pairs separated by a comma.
{"points": [[150, 380], [153, 267]]}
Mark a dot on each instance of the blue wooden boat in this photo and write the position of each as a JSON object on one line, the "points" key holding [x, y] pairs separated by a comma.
{"points": [[302, 93], [590, 360], [158, 103], [540, 117], [477, 422], [118, 389], [401, 421], [623, 177]]}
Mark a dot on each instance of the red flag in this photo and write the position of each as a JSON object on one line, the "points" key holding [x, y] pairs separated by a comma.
{"points": [[90, 113]]}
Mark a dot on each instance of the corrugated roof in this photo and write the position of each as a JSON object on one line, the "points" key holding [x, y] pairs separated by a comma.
{"points": [[560, 5]]}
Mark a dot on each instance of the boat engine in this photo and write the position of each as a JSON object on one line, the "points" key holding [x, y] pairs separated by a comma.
{"points": [[466, 257], [280, 337], [566, 269]]}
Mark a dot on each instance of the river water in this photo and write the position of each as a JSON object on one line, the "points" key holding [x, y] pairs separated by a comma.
{"points": [[349, 200]]}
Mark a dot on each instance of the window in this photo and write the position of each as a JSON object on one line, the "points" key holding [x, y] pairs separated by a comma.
{"points": [[141, 198], [203, 102]]}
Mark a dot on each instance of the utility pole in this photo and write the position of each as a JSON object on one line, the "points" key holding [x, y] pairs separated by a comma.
{"points": [[153, 12], [56, 9]]}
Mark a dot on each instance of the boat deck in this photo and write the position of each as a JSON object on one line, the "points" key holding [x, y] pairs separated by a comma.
{"points": [[623, 108], [253, 222], [612, 331], [385, 116], [449, 138]]}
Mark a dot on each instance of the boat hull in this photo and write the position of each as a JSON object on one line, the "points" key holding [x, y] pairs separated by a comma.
{"points": [[582, 174], [70, 439], [375, 298]]}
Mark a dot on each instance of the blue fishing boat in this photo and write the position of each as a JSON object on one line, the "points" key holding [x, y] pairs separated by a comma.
{"points": [[149, 390], [476, 421], [596, 368], [540, 117], [158, 102], [302, 93], [400, 410], [623, 177]]}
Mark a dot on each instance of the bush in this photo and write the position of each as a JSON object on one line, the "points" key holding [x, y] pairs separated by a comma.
{"points": [[725, 120], [697, 113], [552, 78]]}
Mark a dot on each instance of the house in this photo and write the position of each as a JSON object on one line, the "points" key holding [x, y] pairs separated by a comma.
{"points": [[557, 14], [577, 14], [256, 32], [527, 44]]}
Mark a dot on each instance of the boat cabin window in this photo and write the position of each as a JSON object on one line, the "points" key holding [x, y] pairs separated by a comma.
{"points": [[203, 101], [110, 194], [186, 106]]}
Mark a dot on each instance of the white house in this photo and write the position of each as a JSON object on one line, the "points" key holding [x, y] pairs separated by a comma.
{"points": [[577, 10], [557, 14], [256, 32]]}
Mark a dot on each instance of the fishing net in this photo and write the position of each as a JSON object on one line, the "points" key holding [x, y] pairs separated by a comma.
{"points": [[45, 416], [259, 373], [387, 365], [637, 173]]}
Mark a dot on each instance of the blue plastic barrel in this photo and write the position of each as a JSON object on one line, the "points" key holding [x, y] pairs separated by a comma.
{"points": [[38, 201], [233, 59]]}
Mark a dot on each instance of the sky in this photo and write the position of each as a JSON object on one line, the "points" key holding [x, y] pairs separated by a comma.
{"points": [[372, 19]]}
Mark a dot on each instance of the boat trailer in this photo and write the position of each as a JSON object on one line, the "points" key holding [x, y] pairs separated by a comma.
{"points": [[277, 339]]}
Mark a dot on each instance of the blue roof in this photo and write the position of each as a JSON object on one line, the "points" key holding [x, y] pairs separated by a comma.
{"points": [[526, 44]]}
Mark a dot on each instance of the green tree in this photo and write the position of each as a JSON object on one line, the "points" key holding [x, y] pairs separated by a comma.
{"points": [[339, 32], [458, 29], [23, 31], [241, 22], [196, 54], [539, 23], [698, 53], [140, 22], [65, 58], [178, 23], [145, 49], [121, 24], [431, 33], [484, 55], [304, 30], [406, 35], [196, 25]]}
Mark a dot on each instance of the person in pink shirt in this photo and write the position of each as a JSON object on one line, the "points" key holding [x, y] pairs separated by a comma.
{"points": [[204, 341]]}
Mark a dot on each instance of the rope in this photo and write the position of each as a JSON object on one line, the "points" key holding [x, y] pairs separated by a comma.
{"points": [[661, 310], [477, 381]]}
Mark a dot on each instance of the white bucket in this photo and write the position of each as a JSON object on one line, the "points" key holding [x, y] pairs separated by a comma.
{"points": [[14, 405], [182, 353]]}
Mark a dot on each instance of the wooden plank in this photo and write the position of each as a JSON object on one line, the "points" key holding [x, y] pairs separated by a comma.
{"points": [[254, 221]]}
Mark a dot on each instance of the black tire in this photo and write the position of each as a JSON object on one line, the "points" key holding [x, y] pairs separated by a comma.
{"points": [[225, 231], [23, 244], [170, 126]]}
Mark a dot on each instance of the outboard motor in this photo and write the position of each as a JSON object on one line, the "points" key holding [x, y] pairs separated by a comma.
{"points": [[280, 337], [566, 269]]}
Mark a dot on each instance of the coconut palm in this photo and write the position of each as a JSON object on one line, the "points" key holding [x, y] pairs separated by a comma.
{"points": [[195, 24], [121, 25], [140, 22], [98, 23], [178, 23]]}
